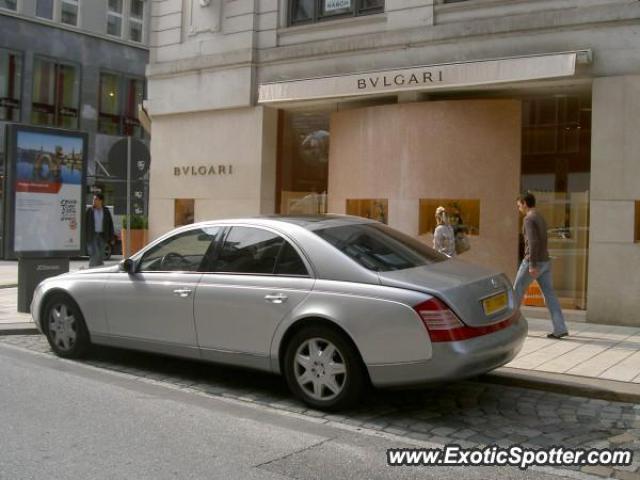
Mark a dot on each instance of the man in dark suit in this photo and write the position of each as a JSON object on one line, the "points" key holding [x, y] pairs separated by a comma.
{"points": [[99, 230]]}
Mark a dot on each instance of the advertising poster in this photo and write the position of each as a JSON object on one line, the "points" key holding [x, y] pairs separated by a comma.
{"points": [[46, 183]]}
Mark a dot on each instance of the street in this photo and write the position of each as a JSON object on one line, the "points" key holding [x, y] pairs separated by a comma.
{"points": [[121, 414]]}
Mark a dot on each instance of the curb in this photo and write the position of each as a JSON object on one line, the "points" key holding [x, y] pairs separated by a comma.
{"points": [[610, 390], [22, 328]]}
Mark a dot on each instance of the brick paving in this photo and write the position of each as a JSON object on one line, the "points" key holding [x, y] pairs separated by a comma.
{"points": [[467, 413]]}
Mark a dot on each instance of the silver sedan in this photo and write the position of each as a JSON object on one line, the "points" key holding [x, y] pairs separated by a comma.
{"points": [[333, 303]]}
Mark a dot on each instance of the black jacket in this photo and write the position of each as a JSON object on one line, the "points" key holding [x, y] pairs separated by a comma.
{"points": [[107, 225]]}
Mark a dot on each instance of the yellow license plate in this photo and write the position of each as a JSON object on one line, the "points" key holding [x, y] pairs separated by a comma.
{"points": [[495, 303]]}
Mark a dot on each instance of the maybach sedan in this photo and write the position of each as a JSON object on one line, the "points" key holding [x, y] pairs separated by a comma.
{"points": [[334, 303]]}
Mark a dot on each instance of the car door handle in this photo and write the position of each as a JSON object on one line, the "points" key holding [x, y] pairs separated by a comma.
{"points": [[182, 292], [277, 298]]}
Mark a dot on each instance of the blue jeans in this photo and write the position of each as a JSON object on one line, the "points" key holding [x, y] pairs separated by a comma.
{"points": [[96, 251], [523, 280]]}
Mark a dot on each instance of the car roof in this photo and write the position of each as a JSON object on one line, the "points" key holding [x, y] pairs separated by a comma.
{"points": [[309, 222]]}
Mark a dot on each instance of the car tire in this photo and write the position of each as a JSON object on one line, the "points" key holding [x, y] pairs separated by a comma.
{"points": [[323, 369], [65, 327]]}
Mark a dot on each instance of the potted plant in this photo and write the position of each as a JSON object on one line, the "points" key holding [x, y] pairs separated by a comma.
{"points": [[139, 227]]}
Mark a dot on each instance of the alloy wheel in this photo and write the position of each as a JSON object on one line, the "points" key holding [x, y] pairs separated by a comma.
{"points": [[63, 328], [320, 369]]}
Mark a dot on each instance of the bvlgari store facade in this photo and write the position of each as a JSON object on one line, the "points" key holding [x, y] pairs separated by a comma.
{"points": [[393, 144], [471, 153]]}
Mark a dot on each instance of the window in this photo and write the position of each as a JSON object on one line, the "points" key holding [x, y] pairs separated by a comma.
{"points": [[44, 9], [109, 104], [10, 85], [184, 211], [134, 92], [309, 11], [69, 12], [114, 18], [253, 250], [289, 262], [380, 248], [56, 92], [118, 105], [183, 252], [136, 15], [9, 4]]}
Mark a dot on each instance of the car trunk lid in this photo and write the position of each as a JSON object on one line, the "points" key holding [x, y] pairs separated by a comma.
{"points": [[477, 295]]}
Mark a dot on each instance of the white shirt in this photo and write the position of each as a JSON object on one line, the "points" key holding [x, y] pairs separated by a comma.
{"points": [[98, 215]]}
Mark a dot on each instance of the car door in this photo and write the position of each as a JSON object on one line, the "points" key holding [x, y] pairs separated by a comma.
{"points": [[154, 305], [256, 279]]}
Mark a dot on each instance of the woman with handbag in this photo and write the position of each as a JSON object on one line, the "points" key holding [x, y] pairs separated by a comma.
{"points": [[444, 239]]}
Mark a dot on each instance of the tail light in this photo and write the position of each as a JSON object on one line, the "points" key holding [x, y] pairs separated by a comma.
{"points": [[444, 326]]}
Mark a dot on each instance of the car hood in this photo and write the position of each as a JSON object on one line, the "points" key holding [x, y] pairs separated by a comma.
{"points": [[461, 285], [93, 271]]}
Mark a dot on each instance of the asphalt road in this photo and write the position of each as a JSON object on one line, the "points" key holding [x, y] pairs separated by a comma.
{"points": [[69, 420]]}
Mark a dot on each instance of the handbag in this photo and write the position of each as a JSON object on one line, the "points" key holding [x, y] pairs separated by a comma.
{"points": [[462, 243]]}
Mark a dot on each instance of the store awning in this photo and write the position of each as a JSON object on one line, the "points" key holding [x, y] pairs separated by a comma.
{"points": [[447, 76]]}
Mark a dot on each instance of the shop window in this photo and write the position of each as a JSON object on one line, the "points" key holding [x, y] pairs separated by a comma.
{"points": [[463, 215], [9, 4], [69, 12], [44, 9], [56, 92], [309, 11], [303, 162], [10, 85], [118, 105], [114, 18], [376, 209], [184, 211], [109, 104], [556, 167]]}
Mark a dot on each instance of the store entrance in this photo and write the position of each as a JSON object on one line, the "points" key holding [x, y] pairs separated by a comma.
{"points": [[556, 167]]}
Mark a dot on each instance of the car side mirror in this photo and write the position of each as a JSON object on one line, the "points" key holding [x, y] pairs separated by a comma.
{"points": [[128, 265]]}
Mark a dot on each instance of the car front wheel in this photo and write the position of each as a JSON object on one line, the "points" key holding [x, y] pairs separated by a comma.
{"points": [[323, 369], [65, 328]]}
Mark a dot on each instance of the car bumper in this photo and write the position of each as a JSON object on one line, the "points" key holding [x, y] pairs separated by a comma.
{"points": [[455, 360]]}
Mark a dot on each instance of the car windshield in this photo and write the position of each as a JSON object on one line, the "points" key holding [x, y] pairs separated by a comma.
{"points": [[380, 248]]}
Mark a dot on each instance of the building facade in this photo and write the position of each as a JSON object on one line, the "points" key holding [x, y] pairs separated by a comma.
{"points": [[80, 66], [391, 108]]}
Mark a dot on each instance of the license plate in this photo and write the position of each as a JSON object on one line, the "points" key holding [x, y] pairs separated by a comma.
{"points": [[495, 303]]}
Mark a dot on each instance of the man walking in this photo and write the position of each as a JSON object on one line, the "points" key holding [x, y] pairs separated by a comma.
{"points": [[536, 264], [99, 230]]}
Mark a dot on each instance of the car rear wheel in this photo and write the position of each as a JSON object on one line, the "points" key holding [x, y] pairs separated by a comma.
{"points": [[323, 369], [65, 328]]}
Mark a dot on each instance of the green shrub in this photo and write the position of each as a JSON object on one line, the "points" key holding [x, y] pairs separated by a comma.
{"points": [[138, 222]]}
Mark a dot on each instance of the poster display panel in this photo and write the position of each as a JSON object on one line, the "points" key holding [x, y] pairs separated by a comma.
{"points": [[45, 191]]}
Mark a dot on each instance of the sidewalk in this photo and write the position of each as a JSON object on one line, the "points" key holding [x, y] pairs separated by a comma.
{"points": [[601, 361]]}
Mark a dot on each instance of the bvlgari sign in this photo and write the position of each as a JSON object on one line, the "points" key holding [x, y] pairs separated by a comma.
{"points": [[202, 170], [434, 77], [425, 77]]}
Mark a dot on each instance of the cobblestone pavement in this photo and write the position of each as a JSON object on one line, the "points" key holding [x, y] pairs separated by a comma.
{"points": [[467, 413]]}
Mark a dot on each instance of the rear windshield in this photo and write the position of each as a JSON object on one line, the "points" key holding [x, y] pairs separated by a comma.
{"points": [[380, 248]]}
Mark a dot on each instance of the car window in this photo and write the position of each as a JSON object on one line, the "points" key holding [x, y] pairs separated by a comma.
{"points": [[380, 248], [289, 262], [183, 252], [254, 250]]}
